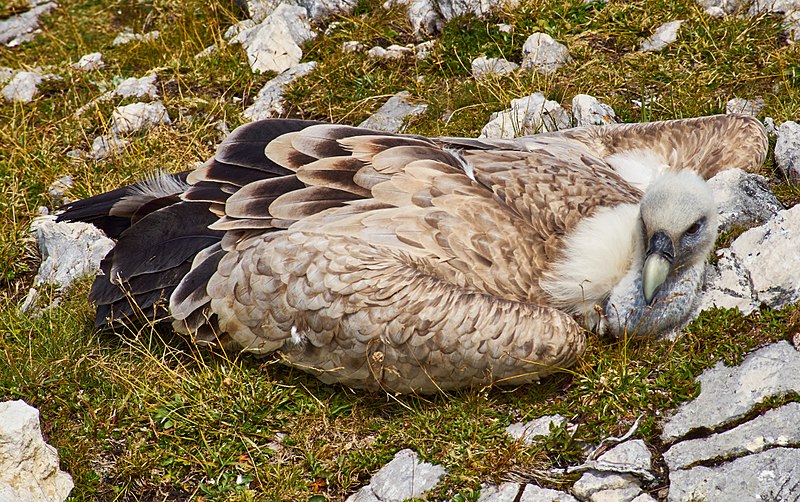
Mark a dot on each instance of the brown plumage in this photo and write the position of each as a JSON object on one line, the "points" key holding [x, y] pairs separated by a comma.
{"points": [[414, 264]]}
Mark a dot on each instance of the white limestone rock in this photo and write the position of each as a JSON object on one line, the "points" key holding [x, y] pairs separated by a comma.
{"points": [[728, 285], [352, 46], [543, 54], [630, 455], [23, 87], [770, 475], [743, 199], [316, 10], [606, 487], [22, 27], [505, 492], [69, 251], [106, 146], [138, 116], [721, 8], [529, 115], [533, 493], [274, 44], [777, 427], [29, 470], [729, 393], [403, 478], [790, 9], [6, 74], [90, 62], [392, 116], [588, 111], [427, 17], [58, 189], [663, 36], [483, 67], [269, 100], [133, 87], [128, 36], [536, 428], [239, 28], [787, 150], [745, 106], [391, 52]]}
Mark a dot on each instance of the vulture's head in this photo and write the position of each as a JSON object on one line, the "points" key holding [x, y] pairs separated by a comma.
{"points": [[678, 224]]}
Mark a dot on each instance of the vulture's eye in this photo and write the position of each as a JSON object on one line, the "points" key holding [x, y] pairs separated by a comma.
{"points": [[694, 228]]}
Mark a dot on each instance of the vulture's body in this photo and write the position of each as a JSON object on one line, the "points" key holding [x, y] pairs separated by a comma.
{"points": [[415, 264]]}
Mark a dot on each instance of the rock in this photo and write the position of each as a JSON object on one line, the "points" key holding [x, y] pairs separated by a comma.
{"points": [[316, 10], [403, 478], [6, 74], [392, 115], [138, 116], [790, 9], [69, 251], [427, 17], [663, 36], [539, 427], [535, 493], [720, 8], [90, 62], [211, 49], [391, 52], [777, 427], [29, 470], [743, 199], [137, 87], [58, 189], [643, 497], [269, 100], [505, 492], [745, 106], [588, 111], [352, 46], [770, 475], [505, 28], [543, 54], [601, 487], [22, 27], [24, 86], [106, 146], [787, 150], [274, 44], [769, 125], [239, 28], [629, 455], [729, 393], [484, 67], [727, 285], [128, 36], [529, 115]]}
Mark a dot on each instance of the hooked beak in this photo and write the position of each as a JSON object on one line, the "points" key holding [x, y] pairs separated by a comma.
{"points": [[657, 264]]}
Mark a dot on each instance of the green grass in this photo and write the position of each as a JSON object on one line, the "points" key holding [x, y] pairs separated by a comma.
{"points": [[145, 415]]}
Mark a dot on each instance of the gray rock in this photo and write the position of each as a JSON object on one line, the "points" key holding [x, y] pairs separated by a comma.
{"points": [[58, 189], [745, 106], [505, 492], [663, 36], [90, 62], [505, 28], [743, 199], [391, 117], [24, 86], [543, 54], [69, 251], [529, 115], [391, 52], [727, 285], [790, 9], [535, 493], [137, 87], [274, 44], [138, 116], [644, 497], [239, 28], [269, 100], [720, 8], [729, 393], [106, 146], [352, 46], [539, 427], [483, 67], [787, 150], [777, 427], [29, 470], [211, 49], [769, 125], [588, 111], [317, 10], [629, 455], [6, 74], [601, 487], [427, 17], [770, 475], [403, 478], [128, 36], [22, 27]]}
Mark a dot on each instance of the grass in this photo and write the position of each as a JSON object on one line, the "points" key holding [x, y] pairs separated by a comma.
{"points": [[144, 415]]}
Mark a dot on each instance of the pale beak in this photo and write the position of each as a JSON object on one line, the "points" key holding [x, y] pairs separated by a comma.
{"points": [[657, 264]]}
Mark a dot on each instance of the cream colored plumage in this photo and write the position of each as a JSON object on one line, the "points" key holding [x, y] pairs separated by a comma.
{"points": [[413, 264]]}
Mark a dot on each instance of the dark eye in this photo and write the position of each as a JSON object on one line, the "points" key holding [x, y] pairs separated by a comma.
{"points": [[694, 228]]}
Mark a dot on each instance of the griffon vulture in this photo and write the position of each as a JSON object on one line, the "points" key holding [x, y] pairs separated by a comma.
{"points": [[416, 264]]}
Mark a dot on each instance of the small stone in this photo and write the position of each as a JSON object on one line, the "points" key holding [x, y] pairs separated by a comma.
{"points": [[769, 475], [721, 8], [106, 146], [632, 454], [423, 50], [543, 54], [24, 86], [505, 28], [211, 49], [729, 393], [316, 10], [239, 28], [90, 62], [6, 74], [391, 52], [796, 340], [769, 125], [539, 427], [128, 36], [787, 150], [69, 251], [505, 492], [743, 199], [643, 497], [391, 117], [588, 111], [745, 106], [29, 470], [663, 36], [58, 189], [529, 115], [138, 87], [138, 116], [405, 477], [593, 484], [21, 27], [483, 67], [269, 100], [535, 493], [352, 46], [777, 427]]}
